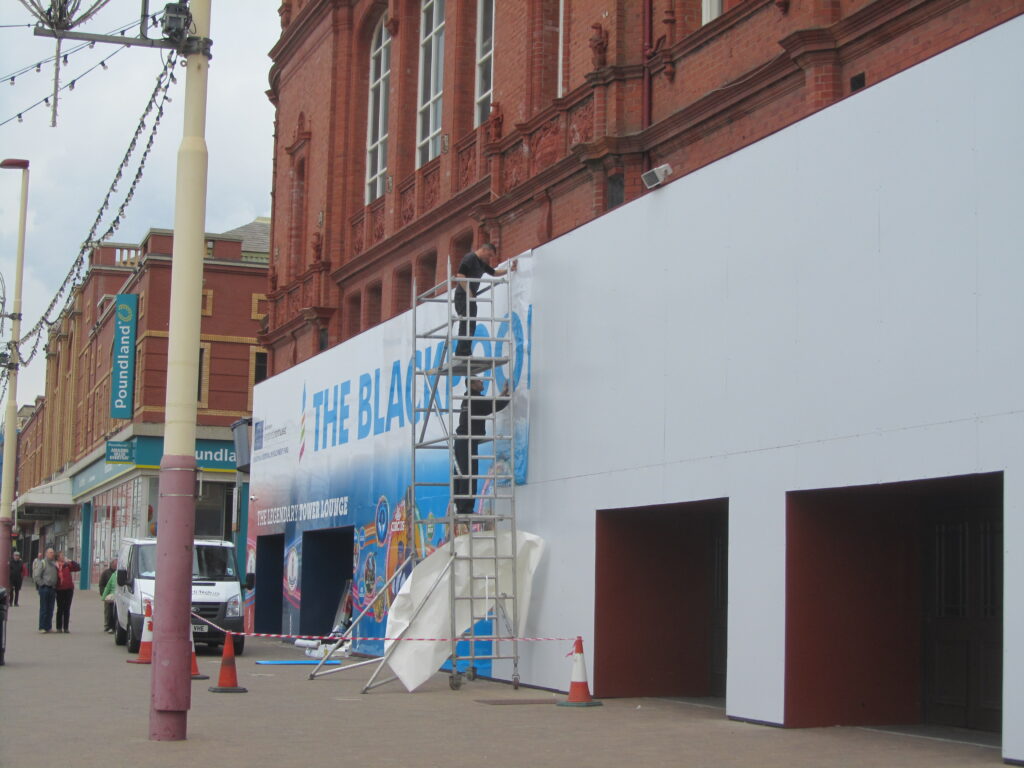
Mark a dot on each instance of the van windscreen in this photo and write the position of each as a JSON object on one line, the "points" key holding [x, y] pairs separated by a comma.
{"points": [[208, 563]]}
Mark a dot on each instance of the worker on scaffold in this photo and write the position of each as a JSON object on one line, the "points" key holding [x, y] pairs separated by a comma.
{"points": [[469, 434], [474, 265]]}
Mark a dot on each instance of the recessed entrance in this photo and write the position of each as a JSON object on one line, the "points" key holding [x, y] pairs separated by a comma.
{"points": [[269, 581], [894, 604], [661, 600], [326, 568]]}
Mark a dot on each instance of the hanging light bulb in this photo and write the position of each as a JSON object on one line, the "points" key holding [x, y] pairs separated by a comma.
{"points": [[103, 64], [39, 67], [65, 58], [19, 118], [71, 85], [12, 81], [46, 100]]}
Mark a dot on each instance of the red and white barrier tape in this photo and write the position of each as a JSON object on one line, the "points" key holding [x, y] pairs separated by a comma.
{"points": [[336, 638]]}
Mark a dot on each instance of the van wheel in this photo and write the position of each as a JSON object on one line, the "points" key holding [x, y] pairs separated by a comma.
{"points": [[120, 636], [239, 643], [133, 641]]}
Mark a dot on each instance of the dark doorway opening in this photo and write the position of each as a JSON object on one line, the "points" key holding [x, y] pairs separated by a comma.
{"points": [[894, 604], [661, 598], [326, 567], [269, 584]]}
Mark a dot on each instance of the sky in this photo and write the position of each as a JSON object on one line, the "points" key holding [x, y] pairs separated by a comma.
{"points": [[73, 165]]}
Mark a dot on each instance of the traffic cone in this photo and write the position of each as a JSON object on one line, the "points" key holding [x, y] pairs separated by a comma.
{"points": [[196, 674], [579, 690], [146, 646], [228, 681]]}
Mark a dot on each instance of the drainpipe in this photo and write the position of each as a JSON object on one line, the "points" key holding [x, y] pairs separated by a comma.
{"points": [[647, 86]]}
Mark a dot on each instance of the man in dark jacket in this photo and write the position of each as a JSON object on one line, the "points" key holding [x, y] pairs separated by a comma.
{"points": [[17, 572], [474, 264], [108, 606], [472, 427]]}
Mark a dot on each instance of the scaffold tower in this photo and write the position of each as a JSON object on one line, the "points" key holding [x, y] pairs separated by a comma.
{"points": [[472, 425], [462, 476]]}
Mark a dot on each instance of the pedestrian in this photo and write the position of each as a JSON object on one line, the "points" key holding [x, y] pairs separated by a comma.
{"points": [[469, 434], [17, 573], [108, 605], [44, 574], [474, 264], [65, 591]]}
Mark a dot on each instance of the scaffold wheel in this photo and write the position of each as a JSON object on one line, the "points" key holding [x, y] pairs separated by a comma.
{"points": [[455, 681], [515, 682], [471, 674]]}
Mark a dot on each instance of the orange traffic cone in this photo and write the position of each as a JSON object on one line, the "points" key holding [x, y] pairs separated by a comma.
{"points": [[196, 674], [228, 681], [146, 646], [579, 690]]}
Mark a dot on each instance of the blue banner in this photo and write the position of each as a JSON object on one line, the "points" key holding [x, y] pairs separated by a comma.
{"points": [[122, 376]]}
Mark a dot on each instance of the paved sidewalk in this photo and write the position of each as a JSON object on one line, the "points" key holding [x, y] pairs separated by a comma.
{"points": [[72, 700]]}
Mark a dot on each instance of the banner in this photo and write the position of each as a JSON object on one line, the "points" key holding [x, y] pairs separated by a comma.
{"points": [[122, 376], [332, 448]]}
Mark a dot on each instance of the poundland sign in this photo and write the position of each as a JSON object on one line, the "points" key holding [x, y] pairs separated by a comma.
{"points": [[122, 377]]}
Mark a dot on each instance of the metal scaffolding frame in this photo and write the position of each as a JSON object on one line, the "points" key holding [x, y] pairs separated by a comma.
{"points": [[492, 634]]}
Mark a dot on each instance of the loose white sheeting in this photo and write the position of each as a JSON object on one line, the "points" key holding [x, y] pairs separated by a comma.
{"points": [[414, 662]]}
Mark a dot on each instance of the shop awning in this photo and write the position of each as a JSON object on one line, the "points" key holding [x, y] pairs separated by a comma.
{"points": [[46, 496]]}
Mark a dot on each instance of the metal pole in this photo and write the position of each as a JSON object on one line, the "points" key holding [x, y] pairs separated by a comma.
{"points": [[11, 419], [172, 650]]}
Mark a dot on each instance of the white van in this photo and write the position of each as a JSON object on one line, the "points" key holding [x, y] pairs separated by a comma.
{"points": [[216, 591]]}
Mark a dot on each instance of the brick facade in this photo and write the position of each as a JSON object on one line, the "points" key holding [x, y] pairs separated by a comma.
{"points": [[73, 419], [572, 126]]}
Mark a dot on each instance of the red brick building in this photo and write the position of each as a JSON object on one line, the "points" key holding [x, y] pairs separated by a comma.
{"points": [[67, 489], [408, 131]]}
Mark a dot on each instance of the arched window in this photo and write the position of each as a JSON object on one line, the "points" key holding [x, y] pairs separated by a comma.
{"points": [[428, 124], [484, 60], [377, 113]]}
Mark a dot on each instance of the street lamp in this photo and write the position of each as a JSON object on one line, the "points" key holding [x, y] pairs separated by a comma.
{"points": [[14, 359]]}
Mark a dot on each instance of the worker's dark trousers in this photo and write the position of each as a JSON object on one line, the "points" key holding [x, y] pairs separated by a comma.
{"points": [[463, 484], [465, 308]]}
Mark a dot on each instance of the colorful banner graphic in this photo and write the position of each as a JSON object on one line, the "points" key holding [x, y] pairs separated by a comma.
{"points": [[332, 449]]}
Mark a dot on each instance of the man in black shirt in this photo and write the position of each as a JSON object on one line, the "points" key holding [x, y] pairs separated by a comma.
{"points": [[468, 436], [474, 265]]}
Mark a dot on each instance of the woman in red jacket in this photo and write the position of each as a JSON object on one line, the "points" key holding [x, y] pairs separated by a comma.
{"points": [[65, 591]]}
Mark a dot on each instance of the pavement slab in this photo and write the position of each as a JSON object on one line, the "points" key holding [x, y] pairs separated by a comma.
{"points": [[70, 699]]}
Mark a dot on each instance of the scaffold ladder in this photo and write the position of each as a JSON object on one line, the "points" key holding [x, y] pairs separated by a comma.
{"points": [[491, 602]]}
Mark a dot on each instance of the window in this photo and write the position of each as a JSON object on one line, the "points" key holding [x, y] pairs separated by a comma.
{"points": [[377, 113], [710, 9], [428, 127], [259, 367], [484, 59]]}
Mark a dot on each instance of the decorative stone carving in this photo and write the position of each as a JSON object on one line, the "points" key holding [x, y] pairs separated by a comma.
{"points": [[377, 224], [407, 205], [357, 237], [285, 12], [494, 122], [467, 166], [316, 245], [514, 167], [546, 143], [431, 188], [581, 123], [598, 46]]}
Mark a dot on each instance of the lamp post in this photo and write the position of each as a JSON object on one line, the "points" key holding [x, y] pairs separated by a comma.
{"points": [[172, 646], [11, 419]]}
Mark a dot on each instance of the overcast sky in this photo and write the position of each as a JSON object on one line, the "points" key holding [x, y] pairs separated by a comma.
{"points": [[73, 164]]}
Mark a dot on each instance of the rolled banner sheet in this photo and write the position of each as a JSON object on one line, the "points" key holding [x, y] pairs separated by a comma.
{"points": [[415, 661]]}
